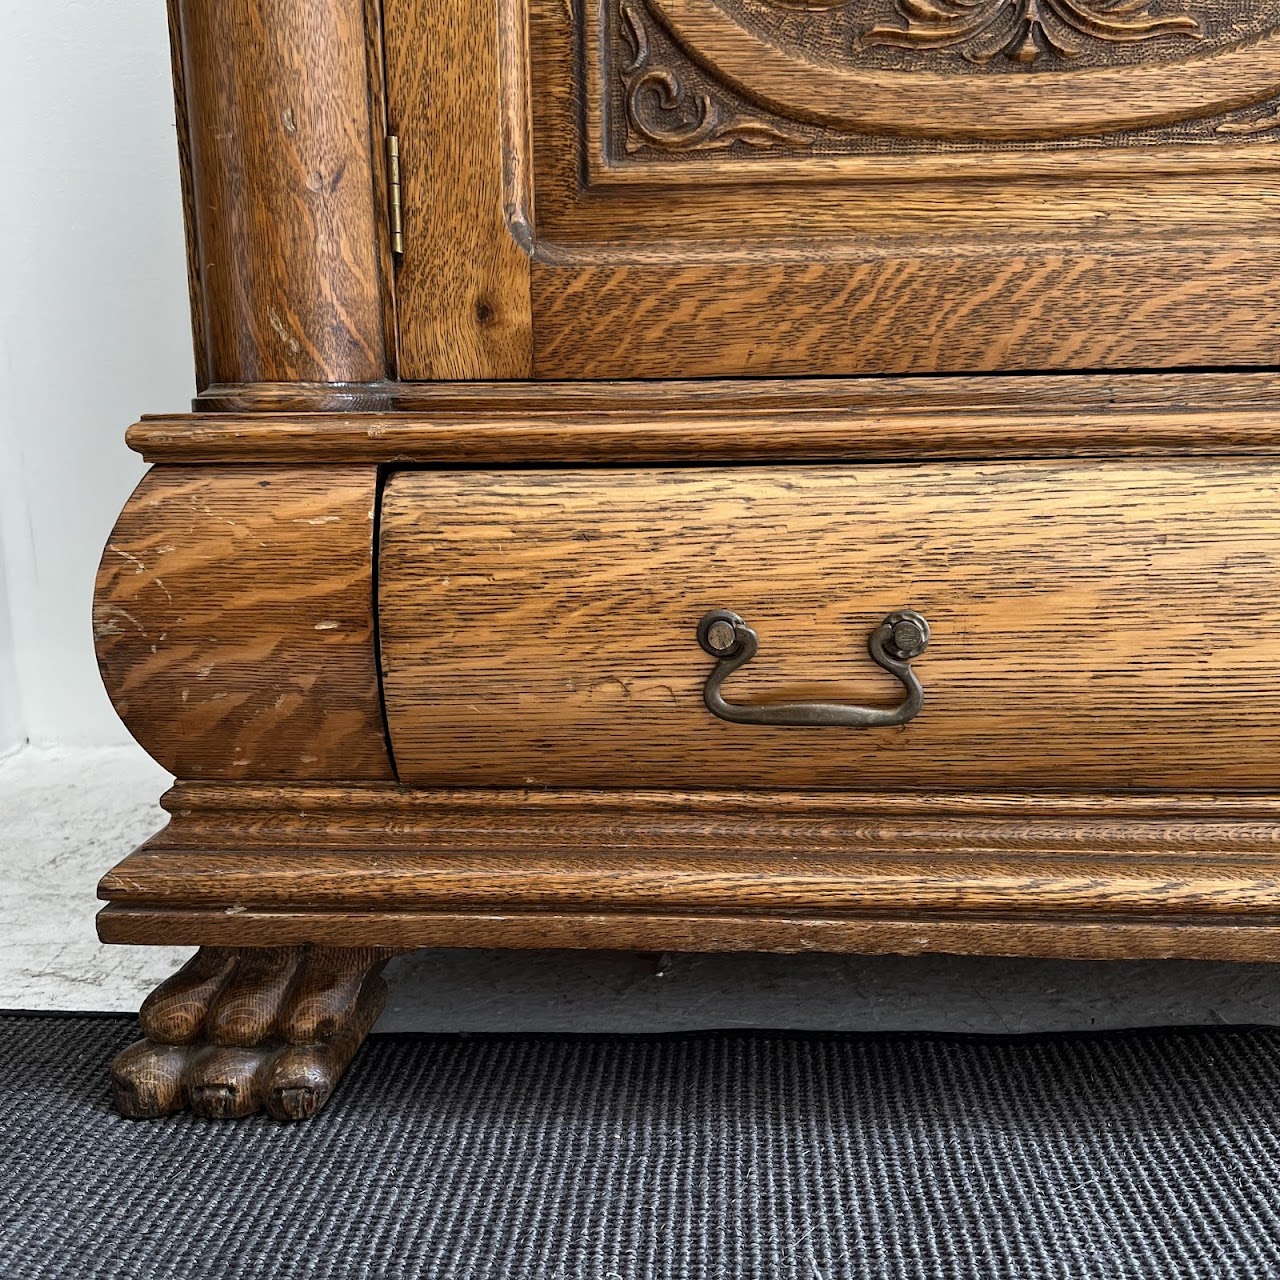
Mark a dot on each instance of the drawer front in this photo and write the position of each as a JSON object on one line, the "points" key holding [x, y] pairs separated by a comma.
{"points": [[1102, 626]]}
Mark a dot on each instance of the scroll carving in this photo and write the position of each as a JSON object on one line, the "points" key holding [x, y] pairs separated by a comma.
{"points": [[1025, 30], [890, 78], [663, 112]]}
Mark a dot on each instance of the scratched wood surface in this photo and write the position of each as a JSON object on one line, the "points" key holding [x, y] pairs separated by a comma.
{"points": [[1104, 625], [234, 622], [282, 156], [997, 873], [912, 881]]}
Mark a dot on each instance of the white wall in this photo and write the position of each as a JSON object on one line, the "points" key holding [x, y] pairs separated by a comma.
{"points": [[94, 326], [12, 729]]}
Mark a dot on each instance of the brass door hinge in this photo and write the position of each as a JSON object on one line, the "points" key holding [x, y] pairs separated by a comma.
{"points": [[395, 199]]}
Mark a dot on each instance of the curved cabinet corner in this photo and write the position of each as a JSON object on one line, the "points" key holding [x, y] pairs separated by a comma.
{"points": [[233, 620]]}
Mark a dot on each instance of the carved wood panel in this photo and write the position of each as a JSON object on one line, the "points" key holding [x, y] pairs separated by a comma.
{"points": [[682, 79]]}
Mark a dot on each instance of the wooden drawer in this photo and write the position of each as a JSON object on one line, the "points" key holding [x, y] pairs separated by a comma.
{"points": [[1095, 625]]}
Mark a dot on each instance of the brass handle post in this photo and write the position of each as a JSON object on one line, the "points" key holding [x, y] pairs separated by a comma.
{"points": [[902, 636]]}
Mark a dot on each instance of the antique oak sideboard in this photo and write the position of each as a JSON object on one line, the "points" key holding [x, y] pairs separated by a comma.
{"points": [[700, 474]]}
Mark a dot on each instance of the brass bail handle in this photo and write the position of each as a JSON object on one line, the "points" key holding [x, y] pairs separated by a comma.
{"points": [[899, 638]]}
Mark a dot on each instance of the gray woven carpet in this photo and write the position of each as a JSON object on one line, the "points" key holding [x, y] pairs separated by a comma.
{"points": [[783, 1157]]}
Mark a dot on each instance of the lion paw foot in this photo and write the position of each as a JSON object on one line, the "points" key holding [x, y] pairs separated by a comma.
{"points": [[237, 1031]]}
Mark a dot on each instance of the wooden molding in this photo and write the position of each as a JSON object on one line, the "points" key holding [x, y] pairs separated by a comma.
{"points": [[869, 89], [624, 437], [1245, 941], [1189, 875], [1069, 394], [722, 421]]}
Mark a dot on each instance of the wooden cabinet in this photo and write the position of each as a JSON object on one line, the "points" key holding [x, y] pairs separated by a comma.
{"points": [[701, 474]]}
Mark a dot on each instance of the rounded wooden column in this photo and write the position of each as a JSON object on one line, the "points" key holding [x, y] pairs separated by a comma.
{"points": [[285, 217]]}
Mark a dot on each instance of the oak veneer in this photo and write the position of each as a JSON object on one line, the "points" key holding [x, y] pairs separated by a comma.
{"points": [[1208, 305], [466, 292], [679, 218]]}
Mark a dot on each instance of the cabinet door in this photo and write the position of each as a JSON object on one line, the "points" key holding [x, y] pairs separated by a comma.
{"points": [[691, 188]]}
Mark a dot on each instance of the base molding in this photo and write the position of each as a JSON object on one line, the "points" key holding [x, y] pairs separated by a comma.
{"points": [[1233, 938], [386, 866]]}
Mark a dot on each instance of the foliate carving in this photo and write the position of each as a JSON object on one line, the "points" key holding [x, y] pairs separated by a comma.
{"points": [[900, 78], [663, 112], [1023, 30]]}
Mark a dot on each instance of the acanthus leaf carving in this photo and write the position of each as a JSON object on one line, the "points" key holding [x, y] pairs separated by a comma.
{"points": [[699, 76], [1023, 30], [662, 112]]}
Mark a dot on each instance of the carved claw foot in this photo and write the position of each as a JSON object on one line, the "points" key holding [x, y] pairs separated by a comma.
{"points": [[236, 1030]]}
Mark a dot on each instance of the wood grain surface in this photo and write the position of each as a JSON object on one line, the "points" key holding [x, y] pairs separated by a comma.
{"points": [[190, 215], [234, 622], [1207, 304], [1252, 941], [383, 807], [1094, 772], [871, 403], [678, 93], [1109, 626], [941, 103], [693, 879], [463, 287], [626, 434], [992, 873], [285, 226]]}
